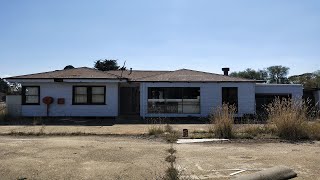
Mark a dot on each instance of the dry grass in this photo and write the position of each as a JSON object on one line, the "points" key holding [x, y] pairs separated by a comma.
{"points": [[223, 118], [314, 130], [289, 117], [155, 130], [256, 131], [172, 136], [3, 112]]}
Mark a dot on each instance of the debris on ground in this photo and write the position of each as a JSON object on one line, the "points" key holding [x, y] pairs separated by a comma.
{"points": [[188, 141]]}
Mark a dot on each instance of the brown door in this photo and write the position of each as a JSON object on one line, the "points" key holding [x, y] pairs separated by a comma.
{"points": [[129, 100]]}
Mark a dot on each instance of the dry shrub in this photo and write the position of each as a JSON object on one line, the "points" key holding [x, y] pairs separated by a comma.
{"points": [[289, 117], [314, 130], [223, 118], [3, 113], [155, 130], [172, 174], [168, 128], [172, 137], [251, 131]]}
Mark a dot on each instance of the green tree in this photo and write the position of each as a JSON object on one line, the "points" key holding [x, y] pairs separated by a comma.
{"points": [[68, 67], [106, 65], [4, 86], [278, 74], [308, 80], [251, 74]]}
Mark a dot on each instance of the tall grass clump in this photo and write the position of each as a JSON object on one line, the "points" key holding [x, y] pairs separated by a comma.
{"points": [[156, 127], [290, 118], [314, 130], [155, 130], [223, 119], [3, 113]]}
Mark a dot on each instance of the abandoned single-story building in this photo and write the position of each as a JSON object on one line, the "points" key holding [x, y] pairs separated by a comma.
{"points": [[182, 93]]}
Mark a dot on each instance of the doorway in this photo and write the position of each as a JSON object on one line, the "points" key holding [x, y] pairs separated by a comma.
{"points": [[129, 101]]}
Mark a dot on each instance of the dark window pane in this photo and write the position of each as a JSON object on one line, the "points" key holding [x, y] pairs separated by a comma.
{"points": [[80, 99], [89, 95], [97, 98], [30, 95], [32, 99], [230, 96], [174, 100]]}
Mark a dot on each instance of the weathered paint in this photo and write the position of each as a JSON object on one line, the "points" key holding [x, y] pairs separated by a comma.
{"points": [[210, 97], [64, 90]]}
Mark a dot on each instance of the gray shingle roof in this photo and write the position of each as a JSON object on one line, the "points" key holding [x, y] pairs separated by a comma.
{"points": [[186, 75], [76, 73], [137, 74], [182, 75]]}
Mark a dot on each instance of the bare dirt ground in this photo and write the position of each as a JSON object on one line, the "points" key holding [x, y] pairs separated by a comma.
{"points": [[116, 129], [92, 157]]}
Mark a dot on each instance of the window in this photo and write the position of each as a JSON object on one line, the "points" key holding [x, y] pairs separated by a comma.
{"points": [[31, 95], [98, 94], [230, 96], [80, 95], [89, 95], [263, 100], [179, 100]]}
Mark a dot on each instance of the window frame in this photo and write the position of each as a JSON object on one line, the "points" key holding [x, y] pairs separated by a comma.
{"points": [[168, 93], [24, 96], [89, 95]]}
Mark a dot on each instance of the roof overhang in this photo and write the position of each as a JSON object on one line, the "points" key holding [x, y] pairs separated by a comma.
{"points": [[65, 80], [195, 81]]}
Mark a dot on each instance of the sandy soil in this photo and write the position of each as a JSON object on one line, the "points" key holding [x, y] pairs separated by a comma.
{"points": [[118, 129], [132, 158]]}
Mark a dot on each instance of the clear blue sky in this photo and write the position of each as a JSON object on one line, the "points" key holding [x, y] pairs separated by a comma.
{"points": [[39, 35]]}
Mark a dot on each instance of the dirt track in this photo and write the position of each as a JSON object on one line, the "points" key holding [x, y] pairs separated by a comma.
{"points": [[132, 158]]}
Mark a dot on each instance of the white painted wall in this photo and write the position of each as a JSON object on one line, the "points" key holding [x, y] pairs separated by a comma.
{"points": [[210, 97], [295, 90], [64, 90]]}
